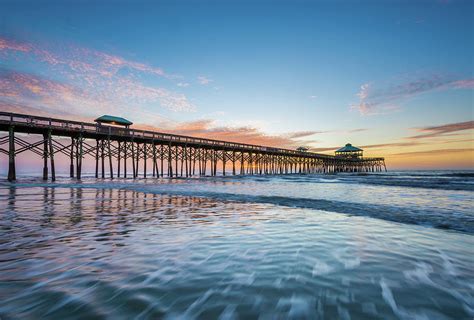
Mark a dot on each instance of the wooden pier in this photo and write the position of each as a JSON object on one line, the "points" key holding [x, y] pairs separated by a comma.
{"points": [[114, 149]]}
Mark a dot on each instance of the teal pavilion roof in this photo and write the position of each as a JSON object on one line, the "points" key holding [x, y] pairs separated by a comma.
{"points": [[114, 120], [348, 148]]}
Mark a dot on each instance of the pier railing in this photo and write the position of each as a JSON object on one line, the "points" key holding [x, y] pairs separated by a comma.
{"points": [[95, 128]]}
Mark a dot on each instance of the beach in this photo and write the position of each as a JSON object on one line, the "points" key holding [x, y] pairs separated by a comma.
{"points": [[396, 245]]}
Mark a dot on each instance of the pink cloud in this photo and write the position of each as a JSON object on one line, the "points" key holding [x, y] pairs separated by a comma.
{"points": [[443, 130], [385, 98], [464, 84], [435, 152], [13, 45], [204, 80], [105, 79]]}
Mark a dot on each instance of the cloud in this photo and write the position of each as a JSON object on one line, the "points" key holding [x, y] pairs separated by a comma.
{"points": [[324, 149], [124, 97], [382, 98], [442, 130], [208, 128], [313, 97], [182, 84], [82, 74], [391, 144], [43, 112], [357, 130], [13, 45], [433, 152], [79, 59], [204, 80], [302, 134], [464, 84]]}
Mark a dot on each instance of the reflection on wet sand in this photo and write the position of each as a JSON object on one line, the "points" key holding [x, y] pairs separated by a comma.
{"points": [[97, 252]]}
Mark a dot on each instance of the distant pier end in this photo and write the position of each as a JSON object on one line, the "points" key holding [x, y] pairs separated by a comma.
{"points": [[127, 151], [352, 154]]}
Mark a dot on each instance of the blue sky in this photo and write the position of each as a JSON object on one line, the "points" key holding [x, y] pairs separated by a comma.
{"points": [[369, 72]]}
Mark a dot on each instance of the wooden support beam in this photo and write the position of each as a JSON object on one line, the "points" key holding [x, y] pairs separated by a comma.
{"points": [[137, 158], [224, 155], [102, 158], [119, 154], [145, 150], [111, 170], [176, 158], [154, 160], [79, 156], [205, 162], [170, 166], [126, 147], [11, 155], [71, 157], [233, 162], [215, 162], [133, 159], [186, 160], [182, 159], [199, 162], [162, 155], [194, 161], [45, 156], [51, 157]]}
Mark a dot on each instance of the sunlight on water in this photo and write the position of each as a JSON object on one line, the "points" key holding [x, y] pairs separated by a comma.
{"points": [[88, 250]]}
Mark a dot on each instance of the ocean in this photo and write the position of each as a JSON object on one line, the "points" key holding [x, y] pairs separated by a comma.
{"points": [[394, 245]]}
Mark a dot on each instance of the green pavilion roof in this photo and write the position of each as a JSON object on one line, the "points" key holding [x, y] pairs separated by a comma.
{"points": [[348, 148], [114, 120]]}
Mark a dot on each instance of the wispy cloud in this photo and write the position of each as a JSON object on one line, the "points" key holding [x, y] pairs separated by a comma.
{"points": [[78, 59], [302, 134], [392, 144], [79, 75], [445, 131], [380, 98], [13, 45], [324, 149], [464, 84], [357, 130], [123, 96], [442, 130], [433, 152], [204, 80]]}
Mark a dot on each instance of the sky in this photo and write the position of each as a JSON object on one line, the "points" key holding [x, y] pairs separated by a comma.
{"points": [[393, 77]]}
